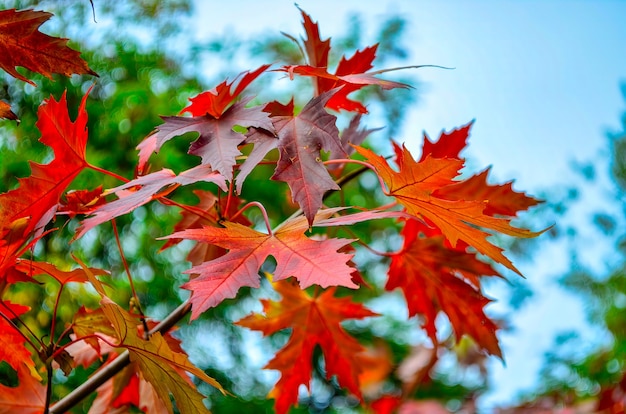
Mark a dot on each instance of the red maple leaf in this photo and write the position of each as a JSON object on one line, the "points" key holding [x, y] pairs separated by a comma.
{"points": [[22, 44], [13, 350], [215, 101], [435, 277], [25, 210], [33, 268], [144, 189], [214, 120], [449, 145], [29, 397], [316, 49], [351, 73], [81, 202], [315, 320], [310, 261]]}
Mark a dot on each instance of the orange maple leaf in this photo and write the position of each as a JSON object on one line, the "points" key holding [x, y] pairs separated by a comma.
{"points": [[315, 320], [22, 44], [421, 188]]}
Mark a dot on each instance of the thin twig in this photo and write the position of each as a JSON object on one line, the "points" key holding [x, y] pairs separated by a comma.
{"points": [[137, 304]]}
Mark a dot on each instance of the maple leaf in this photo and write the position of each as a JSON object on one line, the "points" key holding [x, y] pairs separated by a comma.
{"points": [[81, 202], [151, 187], [87, 324], [161, 364], [301, 139], [310, 261], [350, 75], [449, 145], [500, 200], [417, 184], [316, 49], [449, 279], [218, 142], [5, 111], [22, 44], [13, 350], [29, 397], [158, 362], [33, 268], [214, 121], [314, 320], [215, 101], [128, 388], [32, 205]]}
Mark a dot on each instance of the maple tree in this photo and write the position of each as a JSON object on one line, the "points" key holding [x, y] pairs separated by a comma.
{"points": [[445, 221]]}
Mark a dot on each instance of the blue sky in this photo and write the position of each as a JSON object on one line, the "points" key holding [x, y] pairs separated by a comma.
{"points": [[541, 78]]}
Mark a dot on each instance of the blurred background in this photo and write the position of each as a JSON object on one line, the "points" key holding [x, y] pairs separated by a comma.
{"points": [[546, 84]]}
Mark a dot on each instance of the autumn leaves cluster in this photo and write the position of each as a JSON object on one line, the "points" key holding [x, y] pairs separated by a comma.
{"points": [[446, 223]]}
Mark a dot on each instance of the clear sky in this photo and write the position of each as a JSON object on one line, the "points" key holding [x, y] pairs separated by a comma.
{"points": [[541, 78]]}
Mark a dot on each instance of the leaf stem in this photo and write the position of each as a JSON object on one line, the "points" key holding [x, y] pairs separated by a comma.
{"points": [[263, 211], [109, 173], [368, 247], [54, 314], [229, 198], [191, 209]]}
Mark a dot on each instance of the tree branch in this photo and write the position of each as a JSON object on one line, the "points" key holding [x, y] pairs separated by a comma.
{"points": [[107, 372]]}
